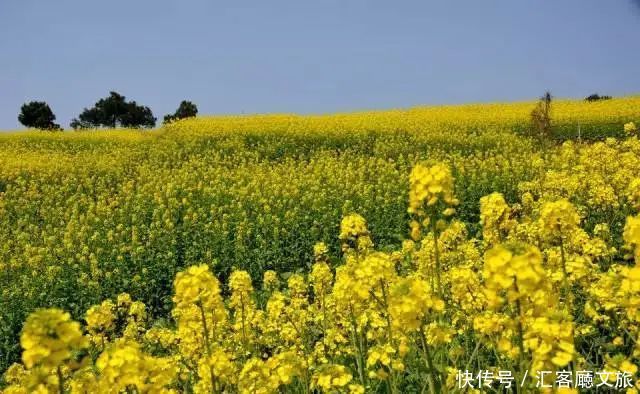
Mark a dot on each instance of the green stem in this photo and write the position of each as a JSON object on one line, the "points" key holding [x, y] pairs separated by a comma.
{"points": [[520, 331], [386, 311], [389, 386], [60, 381], [391, 379], [206, 341], [436, 252], [204, 327], [244, 330], [475, 351], [565, 277], [324, 325], [359, 358], [429, 363], [569, 294]]}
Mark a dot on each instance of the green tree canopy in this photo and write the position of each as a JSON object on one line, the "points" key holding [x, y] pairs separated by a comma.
{"points": [[114, 111], [597, 97], [38, 115], [187, 109]]}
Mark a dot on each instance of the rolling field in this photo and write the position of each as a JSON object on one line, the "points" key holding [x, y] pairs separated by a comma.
{"points": [[365, 252]]}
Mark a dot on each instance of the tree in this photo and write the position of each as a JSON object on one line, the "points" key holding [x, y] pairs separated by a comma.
{"points": [[541, 117], [137, 116], [187, 109], [596, 97], [38, 115], [114, 111]]}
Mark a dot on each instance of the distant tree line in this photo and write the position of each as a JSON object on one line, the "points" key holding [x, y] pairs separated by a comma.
{"points": [[115, 111], [110, 112], [596, 97]]}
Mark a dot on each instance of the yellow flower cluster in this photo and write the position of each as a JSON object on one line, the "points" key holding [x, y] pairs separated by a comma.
{"points": [[49, 339], [495, 218], [632, 234], [558, 219], [353, 234], [429, 186]]}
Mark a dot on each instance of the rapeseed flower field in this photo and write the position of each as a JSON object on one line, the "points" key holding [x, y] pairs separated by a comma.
{"points": [[390, 251]]}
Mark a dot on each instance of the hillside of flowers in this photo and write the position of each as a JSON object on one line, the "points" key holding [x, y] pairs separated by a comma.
{"points": [[380, 252]]}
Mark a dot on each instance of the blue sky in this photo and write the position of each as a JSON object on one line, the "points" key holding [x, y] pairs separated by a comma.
{"points": [[311, 56]]}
